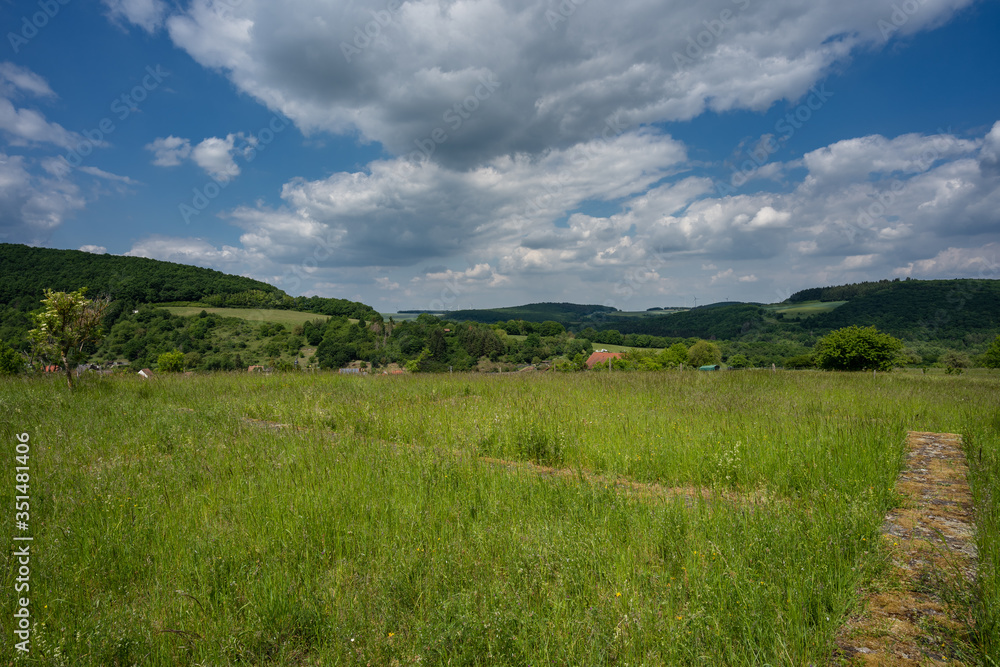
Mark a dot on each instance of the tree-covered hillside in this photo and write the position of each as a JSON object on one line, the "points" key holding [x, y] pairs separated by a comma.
{"points": [[563, 313], [26, 271], [923, 310]]}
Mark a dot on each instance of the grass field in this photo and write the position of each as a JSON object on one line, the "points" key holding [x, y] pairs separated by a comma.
{"points": [[805, 308], [584, 519], [286, 317]]}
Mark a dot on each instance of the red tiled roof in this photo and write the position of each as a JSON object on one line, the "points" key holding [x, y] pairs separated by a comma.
{"points": [[601, 357]]}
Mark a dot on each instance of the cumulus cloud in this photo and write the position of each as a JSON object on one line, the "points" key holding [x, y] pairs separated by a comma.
{"points": [[23, 126], [147, 14], [95, 249], [34, 200], [169, 151], [556, 76], [521, 220], [215, 155], [190, 250]]}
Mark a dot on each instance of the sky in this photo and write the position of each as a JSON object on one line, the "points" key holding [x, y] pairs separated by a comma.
{"points": [[446, 154]]}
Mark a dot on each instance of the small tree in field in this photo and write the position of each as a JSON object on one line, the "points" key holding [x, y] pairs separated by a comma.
{"points": [[992, 357], [857, 348], [66, 325], [704, 353]]}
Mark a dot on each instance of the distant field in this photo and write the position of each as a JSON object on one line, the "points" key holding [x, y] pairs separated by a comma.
{"points": [[623, 348], [291, 317], [805, 309]]}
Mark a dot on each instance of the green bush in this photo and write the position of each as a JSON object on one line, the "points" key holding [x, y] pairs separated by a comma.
{"points": [[857, 348]]}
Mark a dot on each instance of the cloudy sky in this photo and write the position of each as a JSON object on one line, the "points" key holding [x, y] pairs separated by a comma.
{"points": [[479, 153]]}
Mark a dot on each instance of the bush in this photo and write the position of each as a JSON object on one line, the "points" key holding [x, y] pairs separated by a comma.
{"points": [[992, 357], [170, 362], [10, 361], [857, 348], [704, 353]]}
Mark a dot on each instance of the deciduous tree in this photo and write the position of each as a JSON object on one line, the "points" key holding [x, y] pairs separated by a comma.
{"points": [[67, 324], [857, 348]]}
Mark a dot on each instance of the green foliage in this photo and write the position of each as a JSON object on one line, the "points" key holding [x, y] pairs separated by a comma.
{"points": [[170, 362], [800, 361], [704, 353], [65, 326], [922, 309], [674, 356], [842, 292], [10, 361], [955, 360], [738, 361], [533, 312], [857, 348], [992, 357], [727, 321]]}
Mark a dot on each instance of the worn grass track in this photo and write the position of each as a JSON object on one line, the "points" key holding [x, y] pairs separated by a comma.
{"points": [[923, 617]]}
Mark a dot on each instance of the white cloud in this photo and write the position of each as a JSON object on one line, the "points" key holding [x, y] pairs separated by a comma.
{"points": [[32, 205], [96, 249], [979, 262], [169, 151], [515, 221], [189, 250], [215, 156], [147, 14], [15, 78], [557, 87], [23, 126]]}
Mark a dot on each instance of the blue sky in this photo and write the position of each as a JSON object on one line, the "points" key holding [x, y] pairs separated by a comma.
{"points": [[426, 154]]}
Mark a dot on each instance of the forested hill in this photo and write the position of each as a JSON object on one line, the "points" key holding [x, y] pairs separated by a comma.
{"points": [[922, 309], [844, 292], [564, 313], [25, 272]]}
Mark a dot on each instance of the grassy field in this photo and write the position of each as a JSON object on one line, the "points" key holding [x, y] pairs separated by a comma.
{"points": [[585, 519], [286, 317], [805, 308]]}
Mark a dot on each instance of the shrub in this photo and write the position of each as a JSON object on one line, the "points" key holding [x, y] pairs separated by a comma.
{"points": [[857, 348]]}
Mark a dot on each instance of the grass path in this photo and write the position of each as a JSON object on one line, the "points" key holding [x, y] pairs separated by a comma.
{"points": [[922, 616]]}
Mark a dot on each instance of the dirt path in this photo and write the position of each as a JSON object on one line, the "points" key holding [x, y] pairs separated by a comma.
{"points": [[933, 558]]}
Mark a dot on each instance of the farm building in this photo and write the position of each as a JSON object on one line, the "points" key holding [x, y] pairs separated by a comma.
{"points": [[601, 357]]}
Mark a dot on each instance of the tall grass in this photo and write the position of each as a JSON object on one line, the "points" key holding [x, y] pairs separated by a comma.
{"points": [[291, 519]]}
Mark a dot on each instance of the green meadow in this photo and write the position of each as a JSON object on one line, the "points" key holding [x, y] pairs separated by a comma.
{"points": [[636, 518], [287, 317]]}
